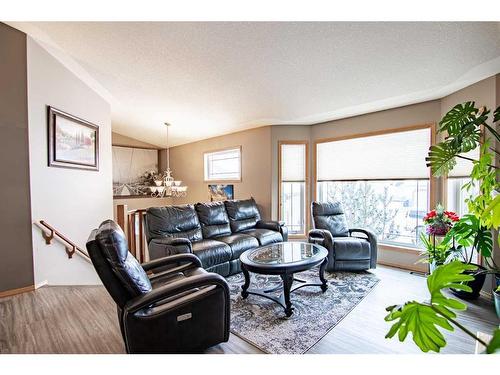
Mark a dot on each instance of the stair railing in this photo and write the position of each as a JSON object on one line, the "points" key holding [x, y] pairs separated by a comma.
{"points": [[49, 233]]}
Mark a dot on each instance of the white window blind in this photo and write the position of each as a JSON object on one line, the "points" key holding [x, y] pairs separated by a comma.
{"points": [[399, 155], [223, 165], [463, 168], [293, 162]]}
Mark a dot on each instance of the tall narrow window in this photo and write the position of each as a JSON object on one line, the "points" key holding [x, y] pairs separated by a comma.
{"points": [[382, 181], [224, 165], [293, 180]]}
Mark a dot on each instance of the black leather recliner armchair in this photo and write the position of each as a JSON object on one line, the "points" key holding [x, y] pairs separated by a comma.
{"points": [[346, 251], [178, 308]]}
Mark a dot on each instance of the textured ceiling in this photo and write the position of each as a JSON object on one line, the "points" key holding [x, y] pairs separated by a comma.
{"points": [[208, 79]]}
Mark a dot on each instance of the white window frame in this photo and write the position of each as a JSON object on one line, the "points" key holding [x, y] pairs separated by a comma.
{"points": [[306, 185], [208, 154]]}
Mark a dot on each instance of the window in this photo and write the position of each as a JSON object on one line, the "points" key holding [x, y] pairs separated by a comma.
{"points": [[293, 180], [455, 195], [381, 180], [224, 165]]}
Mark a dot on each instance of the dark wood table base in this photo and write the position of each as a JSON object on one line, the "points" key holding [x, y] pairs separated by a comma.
{"points": [[288, 287]]}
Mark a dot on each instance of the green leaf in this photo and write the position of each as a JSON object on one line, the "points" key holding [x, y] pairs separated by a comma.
{"points": [[457, 117], [422, 321], [496, 115], [494, 344], [493, 208], [441, 158], [449, 276], [468, 231]]}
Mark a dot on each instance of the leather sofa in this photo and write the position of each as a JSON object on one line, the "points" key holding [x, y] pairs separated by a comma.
{"points": [[181, 310], [349, 249], [217, 232]]}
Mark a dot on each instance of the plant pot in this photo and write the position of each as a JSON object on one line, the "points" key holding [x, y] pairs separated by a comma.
{"points": [[433, 266], [497, 280], [476, 284], [496, 296]]}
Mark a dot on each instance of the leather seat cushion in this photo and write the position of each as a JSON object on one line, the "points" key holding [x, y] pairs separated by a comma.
{"points": [[173, 221], [351, 248], [212, 252], [114, 248], [264, 236], [213, 218], [239, 243], [243, 214]]}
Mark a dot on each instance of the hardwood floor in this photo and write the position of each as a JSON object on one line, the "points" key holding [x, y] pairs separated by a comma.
{"points": [[82, 319]]}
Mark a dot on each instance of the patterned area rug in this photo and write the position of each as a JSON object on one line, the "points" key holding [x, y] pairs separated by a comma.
{"points": [[263, 323]]}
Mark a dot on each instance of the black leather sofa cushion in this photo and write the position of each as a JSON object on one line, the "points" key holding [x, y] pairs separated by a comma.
{"points": [[330, 216], [243, 214], [173, 221], [212, 252], [239, 243], [114, 249], [264, 236], [351, 248], [213, 219]]}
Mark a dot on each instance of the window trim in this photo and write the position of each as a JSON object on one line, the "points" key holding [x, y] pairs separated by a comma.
{"points": [[306, 184], [432, 180], [221, 150]]}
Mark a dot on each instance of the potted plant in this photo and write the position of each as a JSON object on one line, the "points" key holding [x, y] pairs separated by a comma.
{"points": [[496, 295], [463, 128], [438, 223]]}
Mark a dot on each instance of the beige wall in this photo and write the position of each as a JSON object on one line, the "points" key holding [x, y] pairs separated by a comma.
{"points": [[16, 264], [136, 203], [123, 140], [186, 162]]}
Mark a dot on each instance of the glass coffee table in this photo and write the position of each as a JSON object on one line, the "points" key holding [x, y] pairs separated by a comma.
{"points": [[283, 259]]}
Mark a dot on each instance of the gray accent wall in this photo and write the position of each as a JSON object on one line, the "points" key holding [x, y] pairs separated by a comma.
{"points": [[16, 256]]}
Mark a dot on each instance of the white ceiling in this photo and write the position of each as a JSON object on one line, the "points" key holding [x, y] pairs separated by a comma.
{"points": [[212, 78]]}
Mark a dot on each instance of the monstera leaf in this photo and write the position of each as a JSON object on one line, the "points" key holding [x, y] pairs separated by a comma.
{"points": [[424, 319], [494, 344], [469, 231], [457, 117], [441, 158]]}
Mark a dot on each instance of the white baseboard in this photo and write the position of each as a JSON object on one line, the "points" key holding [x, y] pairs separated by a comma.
{"points": [[41, 283]]}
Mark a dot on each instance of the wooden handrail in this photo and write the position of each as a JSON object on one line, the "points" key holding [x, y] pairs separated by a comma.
{"points": [[71, 247]]}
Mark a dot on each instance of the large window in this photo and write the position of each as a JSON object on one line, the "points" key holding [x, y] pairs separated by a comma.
{"points": [[381, 180], [224, 165], [293, 181]]}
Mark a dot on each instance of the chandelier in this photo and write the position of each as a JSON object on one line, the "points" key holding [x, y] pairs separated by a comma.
{"points": [[165, 184]]}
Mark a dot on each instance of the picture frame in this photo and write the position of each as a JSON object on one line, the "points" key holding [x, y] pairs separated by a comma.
{"points": [[72, 141], [218, 192]]}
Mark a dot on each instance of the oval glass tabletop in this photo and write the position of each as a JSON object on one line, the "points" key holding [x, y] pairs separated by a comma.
{"points": [[284, 253]]}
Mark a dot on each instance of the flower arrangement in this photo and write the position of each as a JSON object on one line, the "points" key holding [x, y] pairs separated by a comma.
{"points": [[438, 222]]}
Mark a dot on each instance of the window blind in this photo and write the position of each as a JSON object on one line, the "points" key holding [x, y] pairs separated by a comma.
{"points": [[293, 162], [463, 168], [223, 165], [399, 155]]}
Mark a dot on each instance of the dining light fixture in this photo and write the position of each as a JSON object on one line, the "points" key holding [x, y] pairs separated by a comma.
{"points": [[165, 184]]}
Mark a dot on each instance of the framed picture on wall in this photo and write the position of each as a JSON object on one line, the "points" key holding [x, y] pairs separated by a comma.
{"points": [[220, 192], [73, 142]]}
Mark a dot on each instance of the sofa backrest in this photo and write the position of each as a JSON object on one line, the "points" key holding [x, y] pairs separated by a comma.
{"points": [[213, 219], [330, 216], [122, 275], [243, 214], [173, 221]]}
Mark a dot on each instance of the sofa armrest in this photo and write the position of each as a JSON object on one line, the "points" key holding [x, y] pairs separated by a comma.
{"points": [[277, 226], [176, 260], [372, 239], [164, 247], [321, 237]]}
